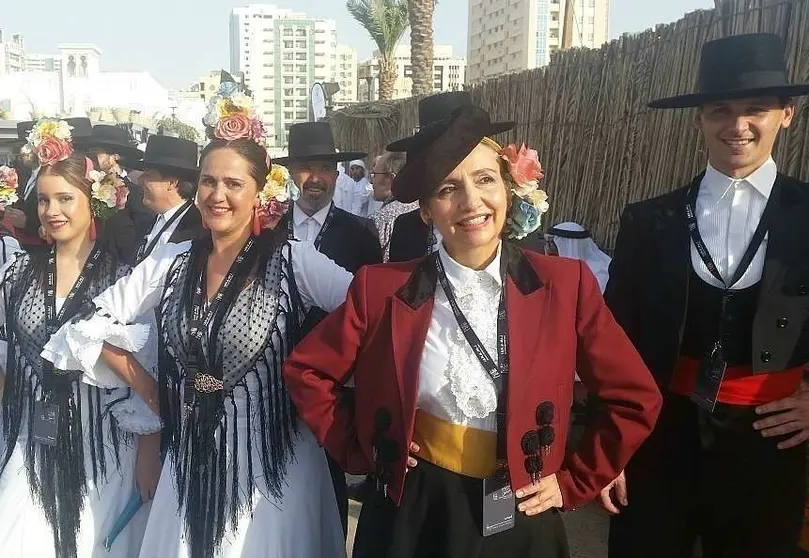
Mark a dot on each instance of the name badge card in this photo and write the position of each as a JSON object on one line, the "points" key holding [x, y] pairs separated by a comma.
{"points": [[499, 506]]}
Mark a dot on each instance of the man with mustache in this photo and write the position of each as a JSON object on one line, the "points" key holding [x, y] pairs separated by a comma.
{"points": [[711, 283], [349, 240]]}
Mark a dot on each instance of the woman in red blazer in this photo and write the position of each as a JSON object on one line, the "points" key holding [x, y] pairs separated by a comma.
{"points": [[464, 363]]}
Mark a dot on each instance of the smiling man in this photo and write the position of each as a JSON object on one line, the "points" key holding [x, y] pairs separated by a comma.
{"points": [[711, 283], [349, 240]]}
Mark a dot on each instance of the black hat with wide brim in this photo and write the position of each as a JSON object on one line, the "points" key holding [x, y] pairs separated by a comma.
{"points": [[82, 130], [739, 67], [114, 139], [24, 128], [436, 108], [437, 149], [172, 156], [313, 141]]}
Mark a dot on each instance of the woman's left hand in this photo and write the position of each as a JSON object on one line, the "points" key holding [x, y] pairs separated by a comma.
{"points": [[546, 495]]}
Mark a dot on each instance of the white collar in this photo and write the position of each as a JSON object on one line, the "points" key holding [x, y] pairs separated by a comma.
{"points": [[716, 185], [299, 216], [168, 214], [459, 275]]}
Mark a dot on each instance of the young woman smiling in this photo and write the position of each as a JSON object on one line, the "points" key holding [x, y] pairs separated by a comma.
{"points": [[69, 461], [248, 479], [464, 364]]}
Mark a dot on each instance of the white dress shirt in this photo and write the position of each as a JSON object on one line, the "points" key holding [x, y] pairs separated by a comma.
{"points": [[728, 212], [453, 385], [306, 228], [162, 219]]}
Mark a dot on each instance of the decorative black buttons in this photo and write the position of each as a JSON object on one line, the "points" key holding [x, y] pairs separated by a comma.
{"points": [[533, 465], [382, 420], [544, 414], [530, 442], [547, 435], [803, 290], [782, 323], [766, 356]]}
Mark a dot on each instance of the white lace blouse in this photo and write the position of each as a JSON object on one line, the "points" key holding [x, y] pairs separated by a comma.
{"points": [[453, 385]]}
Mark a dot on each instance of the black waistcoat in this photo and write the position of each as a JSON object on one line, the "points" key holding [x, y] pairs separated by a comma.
{"points": [[704, 316]]}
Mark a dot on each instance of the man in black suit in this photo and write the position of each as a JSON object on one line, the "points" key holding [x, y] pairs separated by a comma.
{"points": [[116, 152], [711, 283], [349, 240], [412, 237], [169, 182]]}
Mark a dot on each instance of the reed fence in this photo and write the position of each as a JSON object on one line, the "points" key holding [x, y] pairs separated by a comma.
{"points": [[586, 112]]}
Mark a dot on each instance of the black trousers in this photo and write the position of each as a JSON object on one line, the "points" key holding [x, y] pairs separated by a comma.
{"points": [[338, 479], [439, 518], [714, 478]]}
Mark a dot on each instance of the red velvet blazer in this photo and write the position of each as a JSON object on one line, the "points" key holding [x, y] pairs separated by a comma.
{"points": [[558, 324]]}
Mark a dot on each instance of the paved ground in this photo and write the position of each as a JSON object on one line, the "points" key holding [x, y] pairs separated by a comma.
{"points": [[586, 530]]}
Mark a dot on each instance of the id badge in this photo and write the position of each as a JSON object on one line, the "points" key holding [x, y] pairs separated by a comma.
{"points": [[499, 506], [46, 423], [709, 380]]}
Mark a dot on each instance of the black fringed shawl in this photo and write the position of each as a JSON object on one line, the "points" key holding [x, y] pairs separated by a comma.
{"points": [[57, 475], [245, 347]]}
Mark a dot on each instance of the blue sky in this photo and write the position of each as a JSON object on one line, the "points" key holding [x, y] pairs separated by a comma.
{"points": [[178, 40]]}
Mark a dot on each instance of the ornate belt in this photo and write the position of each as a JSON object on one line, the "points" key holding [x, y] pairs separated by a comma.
{"points": [[205, 383]]}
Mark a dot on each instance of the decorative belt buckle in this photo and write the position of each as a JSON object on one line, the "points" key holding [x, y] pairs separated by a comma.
{"points": [[205, 383]]}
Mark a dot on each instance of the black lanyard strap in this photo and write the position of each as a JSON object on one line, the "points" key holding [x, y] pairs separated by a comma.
{"points": [[749, 254], [197, 377], [53, 319], [145, 250], [323, 230], [497, 372]]}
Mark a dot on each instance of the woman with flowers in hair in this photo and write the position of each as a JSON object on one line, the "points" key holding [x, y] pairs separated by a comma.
{"points": [[463, 364], [9, 183], [242, 476], [72, 453]]}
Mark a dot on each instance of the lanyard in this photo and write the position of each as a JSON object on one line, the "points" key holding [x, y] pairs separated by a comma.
{"points": [[323, 229], [145, 250], [53, 319], [702, 249], [497, 372], [202, 316]]}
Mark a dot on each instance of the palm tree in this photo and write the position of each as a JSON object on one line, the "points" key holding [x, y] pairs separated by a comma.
{"points": [[386, 22], [421, 45]]}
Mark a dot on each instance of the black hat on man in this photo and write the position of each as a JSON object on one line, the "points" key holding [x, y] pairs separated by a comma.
{"points": [[439, 107], [313, 141], [435, 150], [114, 139], [739, 67], [172, 156]]}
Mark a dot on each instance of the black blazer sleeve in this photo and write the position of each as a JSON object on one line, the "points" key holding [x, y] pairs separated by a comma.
{"points": [[626, 274], [371, 249]]}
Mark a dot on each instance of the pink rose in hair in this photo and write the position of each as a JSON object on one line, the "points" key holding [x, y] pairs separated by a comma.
{"points": [[8, 175], [52, 150], [234, 127], [121, 195], [523, 165], [256, 129], [271, 213]]}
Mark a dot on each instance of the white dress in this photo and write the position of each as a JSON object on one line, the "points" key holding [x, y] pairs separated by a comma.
{"points": [[303, 522], [24, 529]]}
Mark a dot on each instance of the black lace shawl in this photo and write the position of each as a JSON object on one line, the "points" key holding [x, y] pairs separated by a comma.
{"points": [[245, 346], [57, 475]]}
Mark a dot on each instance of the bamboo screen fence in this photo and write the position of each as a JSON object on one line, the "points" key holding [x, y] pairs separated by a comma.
{"points": [[586, 112]]}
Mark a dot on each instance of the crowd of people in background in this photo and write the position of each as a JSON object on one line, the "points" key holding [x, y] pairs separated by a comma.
{"points": [[196, 348]]}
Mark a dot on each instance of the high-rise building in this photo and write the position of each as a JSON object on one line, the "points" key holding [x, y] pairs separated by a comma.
{"points": [[282, 53], [449, 73], [346, 76], [515, 35], [12, 53]]}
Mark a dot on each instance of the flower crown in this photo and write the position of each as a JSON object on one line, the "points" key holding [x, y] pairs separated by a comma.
{"points": [[528, 202], [8, 187], [231, 115], [50, 139]]}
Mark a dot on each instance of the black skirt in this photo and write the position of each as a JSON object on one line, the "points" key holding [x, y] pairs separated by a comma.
{"points": [[440, 518]]}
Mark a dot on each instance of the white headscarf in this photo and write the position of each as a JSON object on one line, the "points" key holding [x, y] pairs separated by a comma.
{"points": [[583, 249]]}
